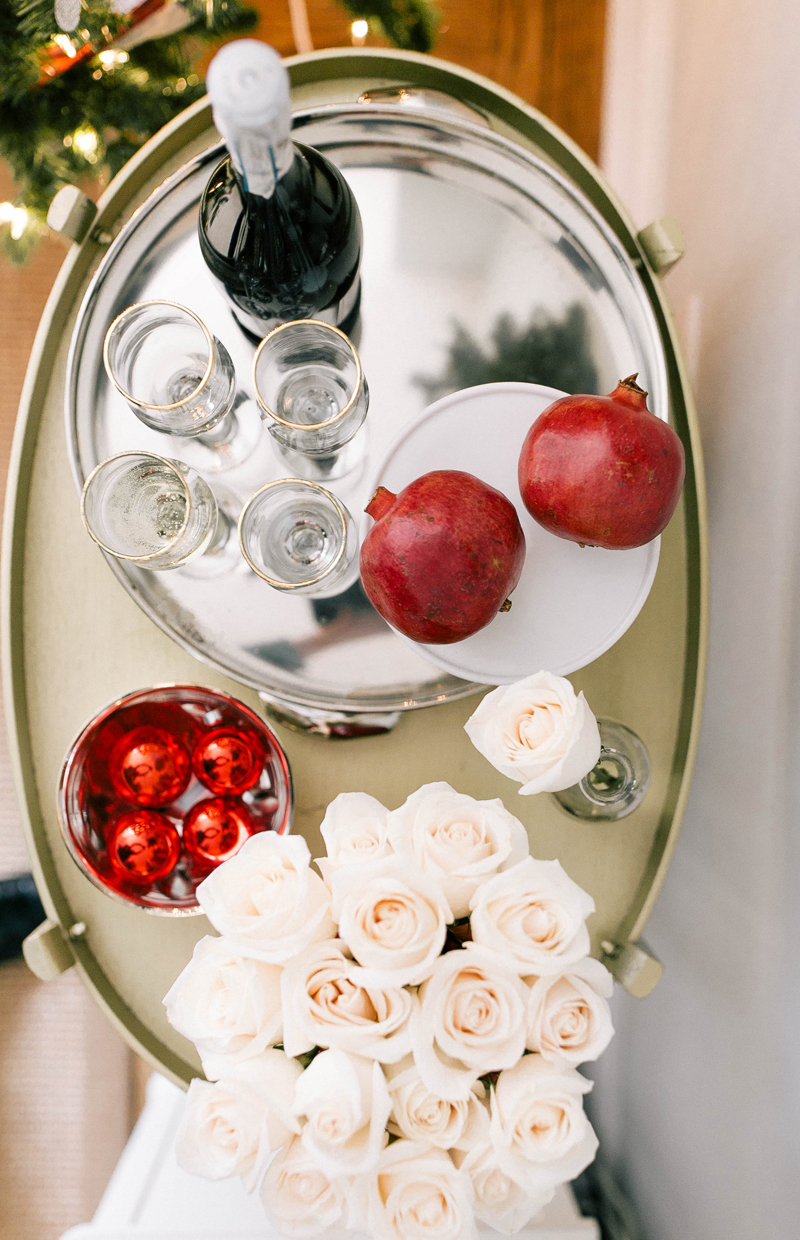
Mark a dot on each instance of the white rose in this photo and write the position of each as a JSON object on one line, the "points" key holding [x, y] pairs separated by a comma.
{"points": [[232, 1126], [538, 732], [419, 1194], [458, 841], [346, 1104], [568, 1016], [393, 918], [539, 1127], [534, 917], [266, 900], [499, 1201], [469, 1020], [422, 1115], [227, 1004], [354, 829], [326, 1004], [299, 1199]]}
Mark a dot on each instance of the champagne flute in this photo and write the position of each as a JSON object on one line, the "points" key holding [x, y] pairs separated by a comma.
{"points": [[299, 538], [310, 385], [179, 379], [156, 513]]}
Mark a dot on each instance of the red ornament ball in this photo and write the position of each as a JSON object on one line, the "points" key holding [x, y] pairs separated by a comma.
{"points": [[228, 762], [149, 767], [215, 829], [142, 846]]}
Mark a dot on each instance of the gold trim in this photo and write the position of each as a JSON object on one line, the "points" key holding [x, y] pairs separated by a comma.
{"points": [[176, 404], [304, 426], [285, 586], [154, 555]]}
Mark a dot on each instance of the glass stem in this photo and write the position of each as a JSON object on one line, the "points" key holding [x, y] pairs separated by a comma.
{"points": [[222, 433]]}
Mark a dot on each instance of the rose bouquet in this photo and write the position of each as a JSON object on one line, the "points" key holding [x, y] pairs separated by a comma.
{"points": [[391, 1048]]}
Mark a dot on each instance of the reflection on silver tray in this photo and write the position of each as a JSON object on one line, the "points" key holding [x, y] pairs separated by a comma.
{"points": [[480, 263]]}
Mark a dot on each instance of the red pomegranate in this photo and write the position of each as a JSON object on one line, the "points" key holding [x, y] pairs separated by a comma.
{"points": [[442, 557], [602, 470]]}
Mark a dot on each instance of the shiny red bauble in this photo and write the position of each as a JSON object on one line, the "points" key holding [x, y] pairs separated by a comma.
{"points": [[602, 471], [215, 829], [149, 767], [142, 847], [227, 761]]}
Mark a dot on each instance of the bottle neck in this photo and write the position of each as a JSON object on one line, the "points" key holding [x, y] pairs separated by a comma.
{"points": [[250, 98], [259, 161]]}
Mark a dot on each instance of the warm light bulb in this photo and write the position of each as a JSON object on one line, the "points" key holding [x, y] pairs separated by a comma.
{"points": [[85, 141], [18, 222], [359, 31], [109, 58], [65, 43]]}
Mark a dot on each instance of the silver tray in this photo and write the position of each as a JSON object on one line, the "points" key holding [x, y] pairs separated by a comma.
{"points": [[464, 231]]}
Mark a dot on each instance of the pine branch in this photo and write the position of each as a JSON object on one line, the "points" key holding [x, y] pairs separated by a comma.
{"points": [[409, 24]]}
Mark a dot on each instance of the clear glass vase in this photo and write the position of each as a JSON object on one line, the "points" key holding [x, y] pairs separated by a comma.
{"points": [[617, 783]]}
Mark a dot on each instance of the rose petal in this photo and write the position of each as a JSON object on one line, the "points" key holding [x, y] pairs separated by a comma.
{"points": [[325, 1004], [538, 732], [354, 830], [533, 917], [568, 1016], [346, 1103], [228, 1004], [266, 900], [457, 841]]}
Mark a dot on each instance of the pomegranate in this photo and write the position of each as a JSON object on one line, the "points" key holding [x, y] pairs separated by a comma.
{"points": [[602, 471], [442, 557]]}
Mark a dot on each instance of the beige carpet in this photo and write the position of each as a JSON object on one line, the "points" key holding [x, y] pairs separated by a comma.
{"points": [[69, 1087]]}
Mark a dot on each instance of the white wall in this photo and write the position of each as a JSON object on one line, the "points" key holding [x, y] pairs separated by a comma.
{"points": [[698, 1101]]}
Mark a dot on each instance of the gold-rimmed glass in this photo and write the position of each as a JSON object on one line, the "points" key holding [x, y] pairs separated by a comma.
{"points": [[299, 538], [152, 511], [310, 387], [178, 378]]}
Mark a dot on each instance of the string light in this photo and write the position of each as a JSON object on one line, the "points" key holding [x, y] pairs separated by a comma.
{"points": [[110, 57], [86, 141], [359, 31], [17, 217], [19, 222], [65, 43]]}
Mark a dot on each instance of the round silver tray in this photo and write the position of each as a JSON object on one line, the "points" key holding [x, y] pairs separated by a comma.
{"points": [[469, 242]]}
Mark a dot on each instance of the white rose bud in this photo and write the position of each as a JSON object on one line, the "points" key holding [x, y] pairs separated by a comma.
{"points": [[539, 1128], [499, 1201], [299, 1199], [469, 1020], [354, 829], [227, 1004], [419, 1193], [232, 1126], [568, 1016], [393, 918], [456, 840], [422, 1115], [534, 917], [538, 732], [326, 1004], [266, 900], [346, 1104]]}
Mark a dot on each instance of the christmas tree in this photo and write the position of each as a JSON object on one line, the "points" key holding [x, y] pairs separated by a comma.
{"points": [[86, 82]]}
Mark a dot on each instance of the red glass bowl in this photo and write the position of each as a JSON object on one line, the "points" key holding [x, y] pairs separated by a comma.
{"points": [[88, 802]]}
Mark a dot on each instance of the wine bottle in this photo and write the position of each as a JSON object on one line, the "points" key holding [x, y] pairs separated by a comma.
{"points": [[279, 227]]}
